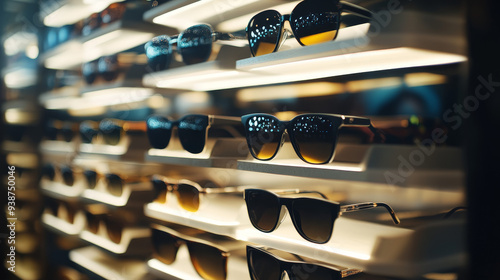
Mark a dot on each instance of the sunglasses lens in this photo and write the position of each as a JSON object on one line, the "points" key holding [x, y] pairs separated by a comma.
{"points": [[314, 138], [159, 53], [67, 133], [165, 246], [67, 175], [314, 218], [195, 44], [87, 132], [264, 135], [92, 222], [192, 133], [48, 171], [108, 67], [91, 178], [208, 261], [315, 22], [114, 229], [263, 209], [263, 266], [115, 184], [189, 197], [264, 31], [111, 131], [89, 71], [160, 189], [159, 130]]}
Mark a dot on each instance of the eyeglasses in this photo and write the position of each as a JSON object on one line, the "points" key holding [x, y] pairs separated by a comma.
{"points": [[313, 218], [263, 265], [188, 193], [312, 22], [106, 67], [209, 260], [111, 131], [195, 45], [313, 136], [192, 130]]}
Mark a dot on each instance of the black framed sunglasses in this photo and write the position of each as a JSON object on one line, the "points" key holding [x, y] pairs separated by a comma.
{"points": [[313, 136], [106, 67], [195, 45], [208, 259], [109, 131], [312, 22], [191, 129], [264, 265], [313, 218], [59, 173], [56, 130], [114, 183]]}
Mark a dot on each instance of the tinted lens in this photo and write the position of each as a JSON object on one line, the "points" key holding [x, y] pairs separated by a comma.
{"points": [[165, 246], [314, 218], [49, 171], [160, 189], [192, 133], [264, 32], [263, 266], [159, 52], [66, 213], [188, 197], [314, 137], [111, 131], [92, 222], [87, 132], [67, 133], [114, 228], [209, 262], [67, 175], [159, 130], [264, 134], [89, 71], [108, 67], [263, 209], [195, 44], [115, 184], [51, 133], [90, 178], [305, 271], [315, 22]]}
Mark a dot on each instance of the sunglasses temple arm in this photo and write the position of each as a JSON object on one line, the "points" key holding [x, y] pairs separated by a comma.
{"points": [[349, 271], [454, 210], [364, 122], [369, 205], [229, 36], [355, 9], [300, 192]]}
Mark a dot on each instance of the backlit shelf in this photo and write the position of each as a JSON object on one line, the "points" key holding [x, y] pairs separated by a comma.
{"points": [[59, 13], [62, 227], [134, 194], [134, 242]]}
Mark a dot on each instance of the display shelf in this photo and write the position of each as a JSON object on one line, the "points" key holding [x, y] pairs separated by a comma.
{"points": [[182, 269], [134, 194], [61, 191], [62, 227], [219, 152], [399, 165], [130, 148], [18, 147], [58, 147], [20, 75], [59, 13], [134, 241], [107, 267]]}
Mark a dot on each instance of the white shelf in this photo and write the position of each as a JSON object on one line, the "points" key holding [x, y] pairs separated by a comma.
{"points": [[134, 241], [61, 191], [62, 227], [130, 148], [107, 267], [133, 195], [58, 147], [56, 14]]}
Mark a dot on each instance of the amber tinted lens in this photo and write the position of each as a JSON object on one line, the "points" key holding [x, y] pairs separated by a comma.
{"points": [[67, 175], [195, 44], [92, 222], [263, 209], [165, 246], [160, 189], [315, 21], [263, 32], [314, 137], [192, 132], [114, 184], [314, 218], [264, 134], [188, 197], [159, 130], [114, 227], [90, 178], [66, 212], [209, 262], [111, 131], [263, 266]]}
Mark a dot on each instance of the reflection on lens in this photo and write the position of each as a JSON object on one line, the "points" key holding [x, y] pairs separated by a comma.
{"points": [[159, 52], [192, 133], [67, 175], [315, 22], [90, 178], [111, 131], [188, 197], [160, 189], [314, 138], [264, 135], [165, 246], [263, 209], [264, 31], [263, 266], [195, 44], [115, 184], [208, 261], [314, 218], [159, 131], [114, 228]]}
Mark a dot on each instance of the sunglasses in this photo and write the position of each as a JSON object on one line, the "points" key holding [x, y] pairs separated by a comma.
{"points": [[61, 209], [208, 259], [110, 14], [113, 225], [106, 67], [263, 265], [192, 130], [313, 136], [61, 173], [114, 183], [109, 131], [57, 130], [195, 45], [312, 22], [313, 218]]}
